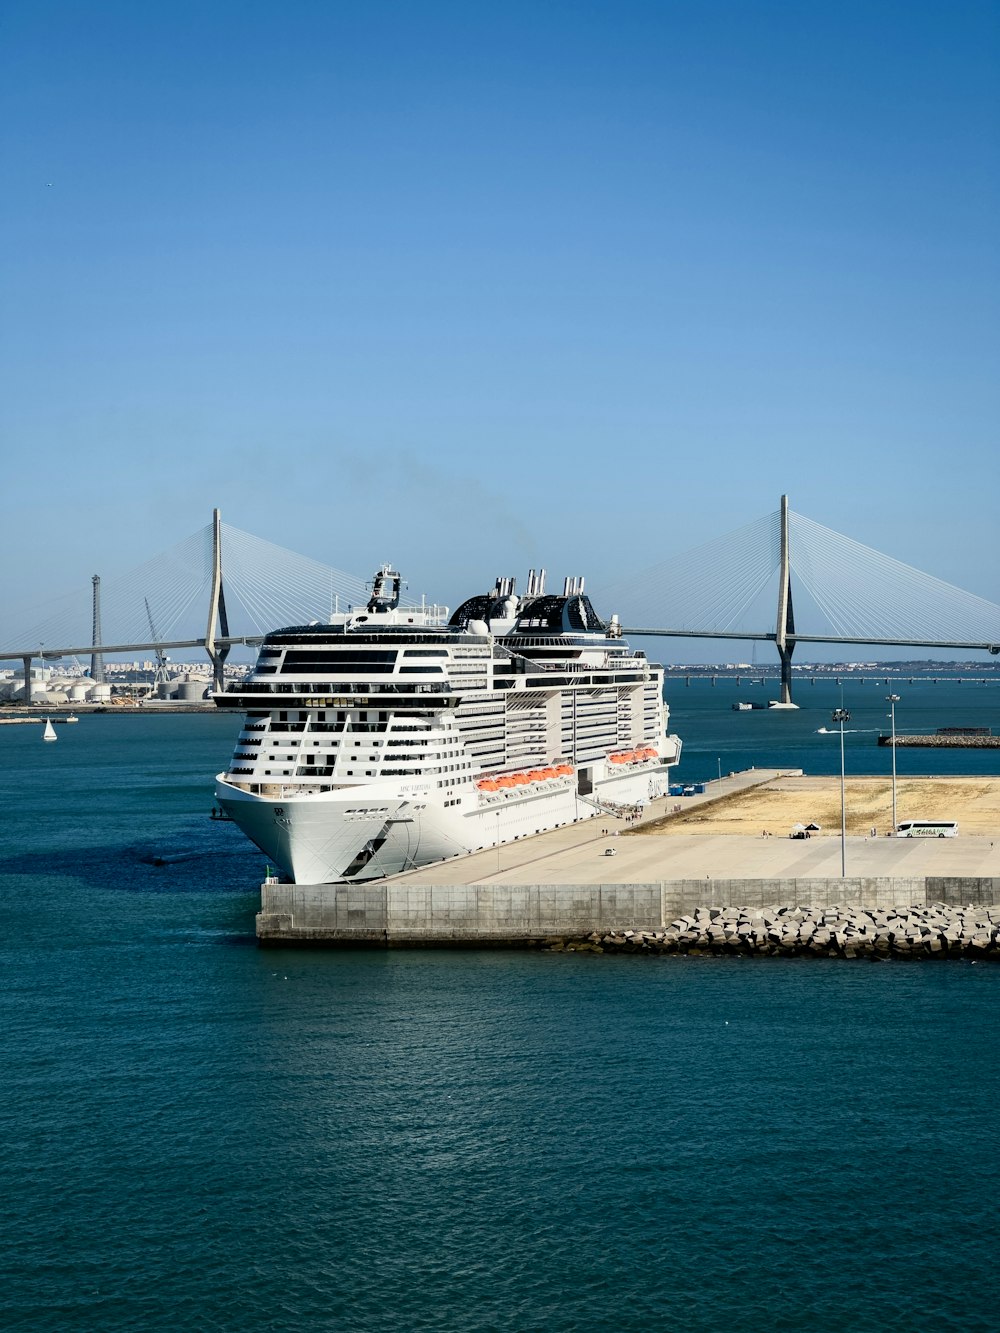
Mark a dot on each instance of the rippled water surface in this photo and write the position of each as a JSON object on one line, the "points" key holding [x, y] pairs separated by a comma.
{"points": [[718, 739], [201, 1135]]}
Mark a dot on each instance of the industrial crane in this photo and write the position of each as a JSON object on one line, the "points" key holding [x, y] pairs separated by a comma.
{"points": [[161, 660]]}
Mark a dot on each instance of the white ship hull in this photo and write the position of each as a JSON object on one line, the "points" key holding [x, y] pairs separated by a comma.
{"points": [[319, 838]]}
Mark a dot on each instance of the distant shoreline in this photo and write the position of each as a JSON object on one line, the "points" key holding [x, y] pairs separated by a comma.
{"points": [[42, 711]]}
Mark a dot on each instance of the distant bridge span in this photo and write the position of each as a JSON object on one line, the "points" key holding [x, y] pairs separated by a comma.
{"points": [[45, 654], [714, 592], [771, 637], [253, 640]]}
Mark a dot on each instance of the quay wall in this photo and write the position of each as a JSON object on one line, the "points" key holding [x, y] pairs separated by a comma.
{"points": [[523, 915]]}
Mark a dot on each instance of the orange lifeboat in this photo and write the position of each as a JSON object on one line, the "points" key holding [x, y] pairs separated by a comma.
{"points": [[488, 784], [506, 782], [536, 775], [564, 770], [547, 773], [521, 779], [619, 758]]}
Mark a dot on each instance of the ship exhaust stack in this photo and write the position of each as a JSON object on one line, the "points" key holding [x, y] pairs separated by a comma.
{"points": [[386, 587]]}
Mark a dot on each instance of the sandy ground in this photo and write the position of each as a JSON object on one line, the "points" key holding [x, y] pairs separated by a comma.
{"points": [[718, 836], [784, 801]]}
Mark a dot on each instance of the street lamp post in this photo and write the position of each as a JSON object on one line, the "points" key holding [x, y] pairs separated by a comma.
{"points": [[892, 700], [841, 715]]}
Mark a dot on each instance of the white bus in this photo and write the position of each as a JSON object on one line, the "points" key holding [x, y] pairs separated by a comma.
{"points": [[927, 828]]}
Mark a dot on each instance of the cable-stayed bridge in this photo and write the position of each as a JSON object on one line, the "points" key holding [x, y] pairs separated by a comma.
{"points": [[852, 594], [222, 586]]}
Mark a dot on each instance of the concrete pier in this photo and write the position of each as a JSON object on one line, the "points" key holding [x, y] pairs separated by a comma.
{"points": [[391, 913], [562, 886]]}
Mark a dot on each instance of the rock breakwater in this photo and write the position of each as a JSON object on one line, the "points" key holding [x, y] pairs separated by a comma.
{"points": [[935, 930], [953, 742]]}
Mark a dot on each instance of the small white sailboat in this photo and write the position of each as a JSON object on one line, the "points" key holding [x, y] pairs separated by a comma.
{"points": [[49, 734]]}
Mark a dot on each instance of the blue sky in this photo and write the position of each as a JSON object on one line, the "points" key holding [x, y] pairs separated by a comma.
{"points": [[482, 286]]}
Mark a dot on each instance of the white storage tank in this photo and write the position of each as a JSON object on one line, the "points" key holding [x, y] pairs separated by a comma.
{"points": [[190, 691]]}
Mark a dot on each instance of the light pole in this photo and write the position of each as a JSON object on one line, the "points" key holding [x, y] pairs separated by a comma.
{"points": [[892, 700], [841, 715], [720, 768]]}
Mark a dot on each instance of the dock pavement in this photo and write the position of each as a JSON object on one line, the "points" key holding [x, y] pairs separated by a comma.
{"points": [[577, 853]]}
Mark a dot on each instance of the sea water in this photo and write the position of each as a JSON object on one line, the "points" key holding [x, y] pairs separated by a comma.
{"points": [[201, 1135], [717, 739]]}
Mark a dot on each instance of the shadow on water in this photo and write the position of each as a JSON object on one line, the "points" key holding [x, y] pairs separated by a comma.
{"points": [[162, 867]]}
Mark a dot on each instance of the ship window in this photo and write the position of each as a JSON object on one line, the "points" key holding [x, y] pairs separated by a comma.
{"points": [[311, 661]]}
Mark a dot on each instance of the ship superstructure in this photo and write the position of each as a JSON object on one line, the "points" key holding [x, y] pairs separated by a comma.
{"points": [[396, 736]]}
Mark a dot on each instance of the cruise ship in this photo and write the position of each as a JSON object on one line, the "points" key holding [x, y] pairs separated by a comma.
{"points": [[393, 736]]}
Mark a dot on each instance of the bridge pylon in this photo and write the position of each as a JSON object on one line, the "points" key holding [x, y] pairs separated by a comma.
{"points": [[217, 609], [96, 660], [786, 616]]}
